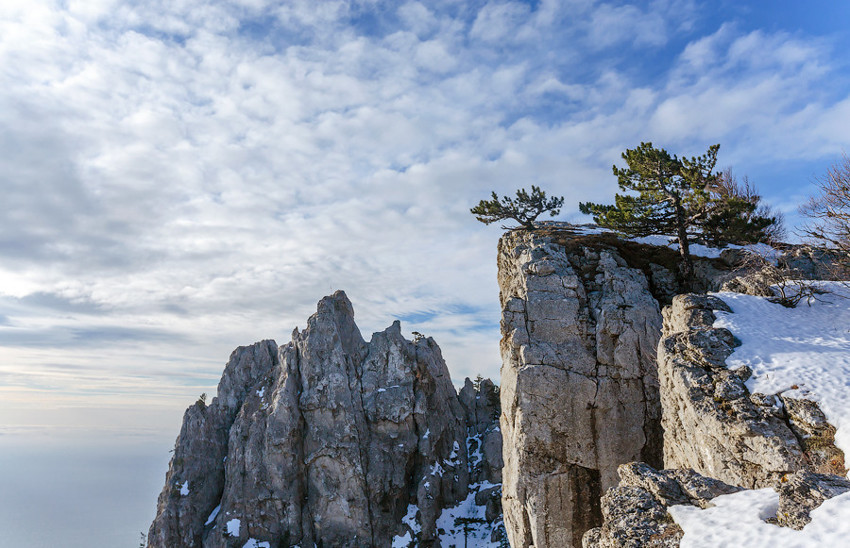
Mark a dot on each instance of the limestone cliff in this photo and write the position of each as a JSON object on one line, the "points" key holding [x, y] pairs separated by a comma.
{"points": [[581, 326], [329, 440], [579, 383]]}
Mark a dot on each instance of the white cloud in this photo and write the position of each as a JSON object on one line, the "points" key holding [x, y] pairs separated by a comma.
{"points": [[499, 21], [200, 175]]}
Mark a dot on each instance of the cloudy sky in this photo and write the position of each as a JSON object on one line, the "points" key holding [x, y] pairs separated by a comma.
{"points": [[180, 177]]}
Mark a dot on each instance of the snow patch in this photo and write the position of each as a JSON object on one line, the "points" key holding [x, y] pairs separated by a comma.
{"points": [[738, 520], [806, 346], [184, 489], [254, 543], [213, 515], [233, 527], [261, 392]]}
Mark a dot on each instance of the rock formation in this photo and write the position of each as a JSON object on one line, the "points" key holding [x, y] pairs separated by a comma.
{"points": [[635, 512], [329, 441], [714, 425], [581, 323], [579, 385]]}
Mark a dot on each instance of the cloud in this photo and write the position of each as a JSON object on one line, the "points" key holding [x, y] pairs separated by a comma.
{"points": [[182, 177]]}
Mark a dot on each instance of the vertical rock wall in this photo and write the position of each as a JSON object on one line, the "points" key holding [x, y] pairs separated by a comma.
{"points": [[579, 385]]}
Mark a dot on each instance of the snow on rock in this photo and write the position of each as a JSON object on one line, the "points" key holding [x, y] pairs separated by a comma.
{"points": [[184, 489], [451, 521], [213, 515], [807, 347], [254, 543], [697, 250], [474, 517], [409, 519], [232, 527], [738, 520]]}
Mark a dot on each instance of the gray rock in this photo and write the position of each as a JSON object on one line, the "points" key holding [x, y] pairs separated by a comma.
{"points": [[579, 390], [195, 477], [803, 492], [481, 410], [635, 512], [326, 441], [711, 422], [812, 263], [815, 435]]}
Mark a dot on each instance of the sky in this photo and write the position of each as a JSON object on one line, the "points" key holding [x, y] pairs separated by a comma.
{"points": [[183, 177]]}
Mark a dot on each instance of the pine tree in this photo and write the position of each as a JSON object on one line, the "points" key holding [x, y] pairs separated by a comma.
{"points": [[684, 198], [524, 209]]}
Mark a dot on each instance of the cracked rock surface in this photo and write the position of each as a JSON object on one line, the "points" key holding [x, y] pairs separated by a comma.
{"points": [[714, 425], [325, 441], [579, 387]]}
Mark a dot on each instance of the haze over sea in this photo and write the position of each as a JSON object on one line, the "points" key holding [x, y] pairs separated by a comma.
{"points": [[183, 177]]}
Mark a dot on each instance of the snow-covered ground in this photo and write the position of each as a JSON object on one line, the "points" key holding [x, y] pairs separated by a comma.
{"points": [[478, 534], [808, 347], [737, 520]]}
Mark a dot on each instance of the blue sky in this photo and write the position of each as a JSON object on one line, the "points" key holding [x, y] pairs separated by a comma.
{"points": [[183, 177]]}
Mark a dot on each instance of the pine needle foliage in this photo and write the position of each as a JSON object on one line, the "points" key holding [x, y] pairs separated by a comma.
{"points": [[684, 198], [524, 209]]}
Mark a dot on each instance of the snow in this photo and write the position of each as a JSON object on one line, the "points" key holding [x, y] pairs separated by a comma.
{"points": [[261, 392], [403, 541], [213, 515], [232, 527], [479, 534], [738, 520], [451, 534], [184, 489], [254, 543], [475, 455], [807, 346], [697, 250]]}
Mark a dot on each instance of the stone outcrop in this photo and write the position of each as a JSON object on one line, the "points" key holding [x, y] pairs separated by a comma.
{"points": [[711, 421], [481, 411], [635, 512], [802, 493], [579, 386], [329, 440]]}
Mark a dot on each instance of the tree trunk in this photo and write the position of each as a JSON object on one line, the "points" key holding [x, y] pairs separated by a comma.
{"points": [[687, 266]]}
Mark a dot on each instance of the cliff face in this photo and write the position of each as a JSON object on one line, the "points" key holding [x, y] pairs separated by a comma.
{"points": [[579, 383], [329, 440]]}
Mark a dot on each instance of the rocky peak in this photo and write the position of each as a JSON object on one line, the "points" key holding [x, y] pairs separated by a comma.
{"points": [[331, 441]]}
